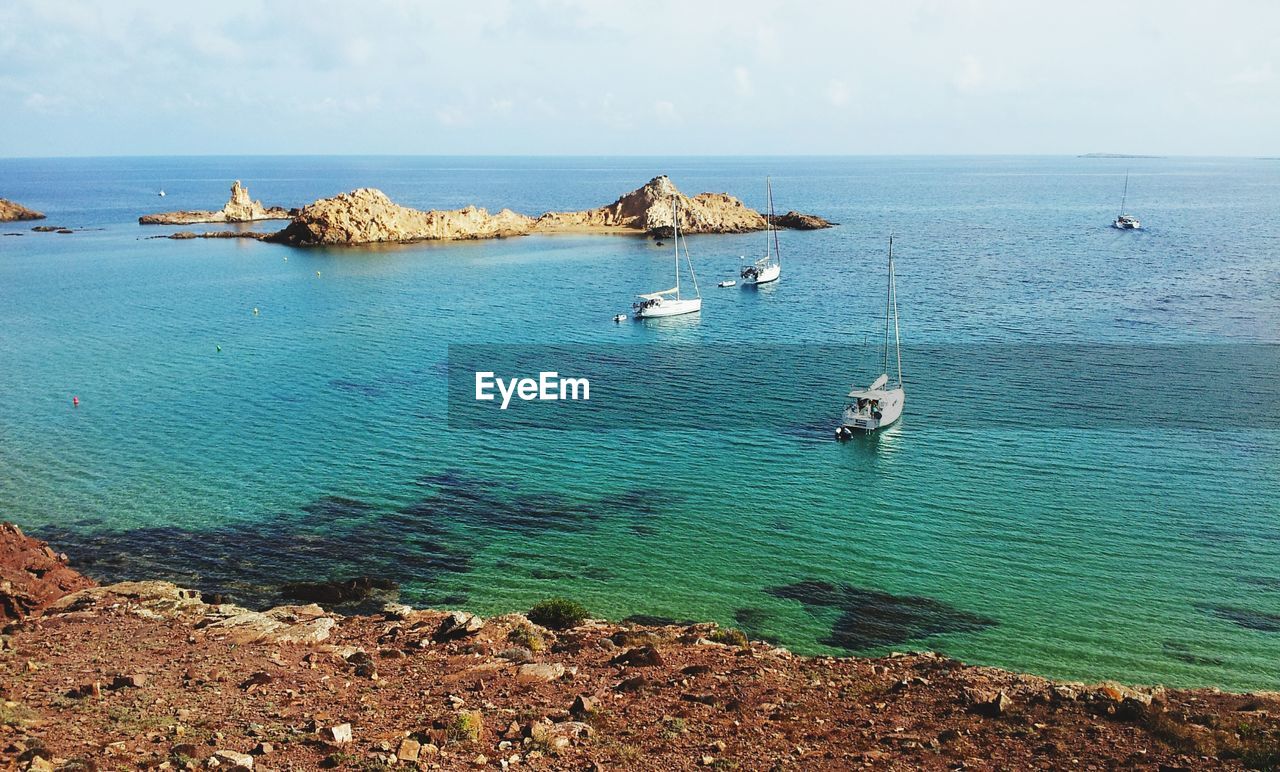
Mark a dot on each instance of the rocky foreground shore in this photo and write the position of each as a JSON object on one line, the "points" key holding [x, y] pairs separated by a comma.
{"points": [[149, 675], [11, 211]]}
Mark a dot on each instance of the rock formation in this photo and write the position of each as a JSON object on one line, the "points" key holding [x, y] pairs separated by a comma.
{"points": [[239, 208], [648, 210], [796, 221], [367, 216], [11, 211], [32, 575]]}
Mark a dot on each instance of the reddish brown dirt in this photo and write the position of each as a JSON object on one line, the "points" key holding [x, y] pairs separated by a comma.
{"points": [[115, 681]]}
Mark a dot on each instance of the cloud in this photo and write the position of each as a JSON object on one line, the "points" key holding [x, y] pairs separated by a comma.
{"points": [[837, 93], [1253, 76], [451, 116], [969, 77], [666, 112], [40, 103]]}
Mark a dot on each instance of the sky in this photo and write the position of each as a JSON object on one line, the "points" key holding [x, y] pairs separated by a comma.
{"points": [[750, 77]]}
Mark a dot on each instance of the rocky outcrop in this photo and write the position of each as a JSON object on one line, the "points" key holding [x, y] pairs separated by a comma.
{"points": [[11, 211], [32, 575], [239, 208], [648, 210], [796, 221], [367, 216]]}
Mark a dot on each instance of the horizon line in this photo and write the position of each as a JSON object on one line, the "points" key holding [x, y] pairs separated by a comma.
{"points": [[1093, 155]]}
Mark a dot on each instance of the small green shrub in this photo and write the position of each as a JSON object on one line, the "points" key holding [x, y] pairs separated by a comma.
{"points": [[526, 636], [466, 726], [558, 613], [730, 636], [673, 727]]}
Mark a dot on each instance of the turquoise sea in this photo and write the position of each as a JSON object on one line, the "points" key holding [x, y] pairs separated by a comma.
{"points": [[315, 442]]}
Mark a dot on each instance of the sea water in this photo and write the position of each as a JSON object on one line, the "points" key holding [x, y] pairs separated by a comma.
{"points": [[236, 451]]}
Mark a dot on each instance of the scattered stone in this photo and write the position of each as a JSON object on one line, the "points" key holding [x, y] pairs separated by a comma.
{"points": [[260, 678], [339, 735], [262, 749], [583, 705], [543, 671], [641, 656], [458, 624], [989, 703], [409, 750], [134, 681], [234, 758], [517, 654]]}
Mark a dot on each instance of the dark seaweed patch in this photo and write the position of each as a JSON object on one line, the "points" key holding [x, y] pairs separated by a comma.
{"points": [[1265, 582], [1182, 652], [333, 538], [1249, 619], [597, 573], [753, 622], [655, 620], [548, 574], [872, 619], [457, 500], [355, 387]]}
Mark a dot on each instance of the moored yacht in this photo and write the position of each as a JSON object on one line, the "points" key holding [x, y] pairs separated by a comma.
{"points": [[769, 267], [1125, 222], [879, 404], [670, 302]]}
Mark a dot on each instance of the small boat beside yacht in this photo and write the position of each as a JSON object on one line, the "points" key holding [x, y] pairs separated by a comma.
{"points": [[670, 302], [1125, 222], [769, 267], [880, 404]]}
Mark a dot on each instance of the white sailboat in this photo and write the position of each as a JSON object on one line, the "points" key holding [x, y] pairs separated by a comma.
{"points": [[670, 302], [880, 404], [1126, 222], [769, 267]]}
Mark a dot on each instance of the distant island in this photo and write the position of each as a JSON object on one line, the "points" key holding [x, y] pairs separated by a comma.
{"points": [[1116, 155], [11, 211], [368, 216]]}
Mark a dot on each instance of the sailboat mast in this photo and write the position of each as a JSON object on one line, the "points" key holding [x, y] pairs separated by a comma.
{"points": [[768, 221], [675, 233], [777, 250], [1125, 197], [893, 292], [888, 300]]}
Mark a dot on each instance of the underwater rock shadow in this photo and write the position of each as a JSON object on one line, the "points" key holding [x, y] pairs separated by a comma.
{"points": [[1249, 619], [871, 619], [251, 563]]}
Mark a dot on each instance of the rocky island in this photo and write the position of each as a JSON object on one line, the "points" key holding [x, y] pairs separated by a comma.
{"points": [[368, 216], [239, 208], [11, 211], [147, 674]]}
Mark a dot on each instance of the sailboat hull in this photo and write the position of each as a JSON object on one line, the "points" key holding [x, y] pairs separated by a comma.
{"points": [[670, 308], [767, 274], [865, 421]]}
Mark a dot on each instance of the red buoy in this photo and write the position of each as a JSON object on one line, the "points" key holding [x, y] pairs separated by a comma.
{"points": [[75, 401]]}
